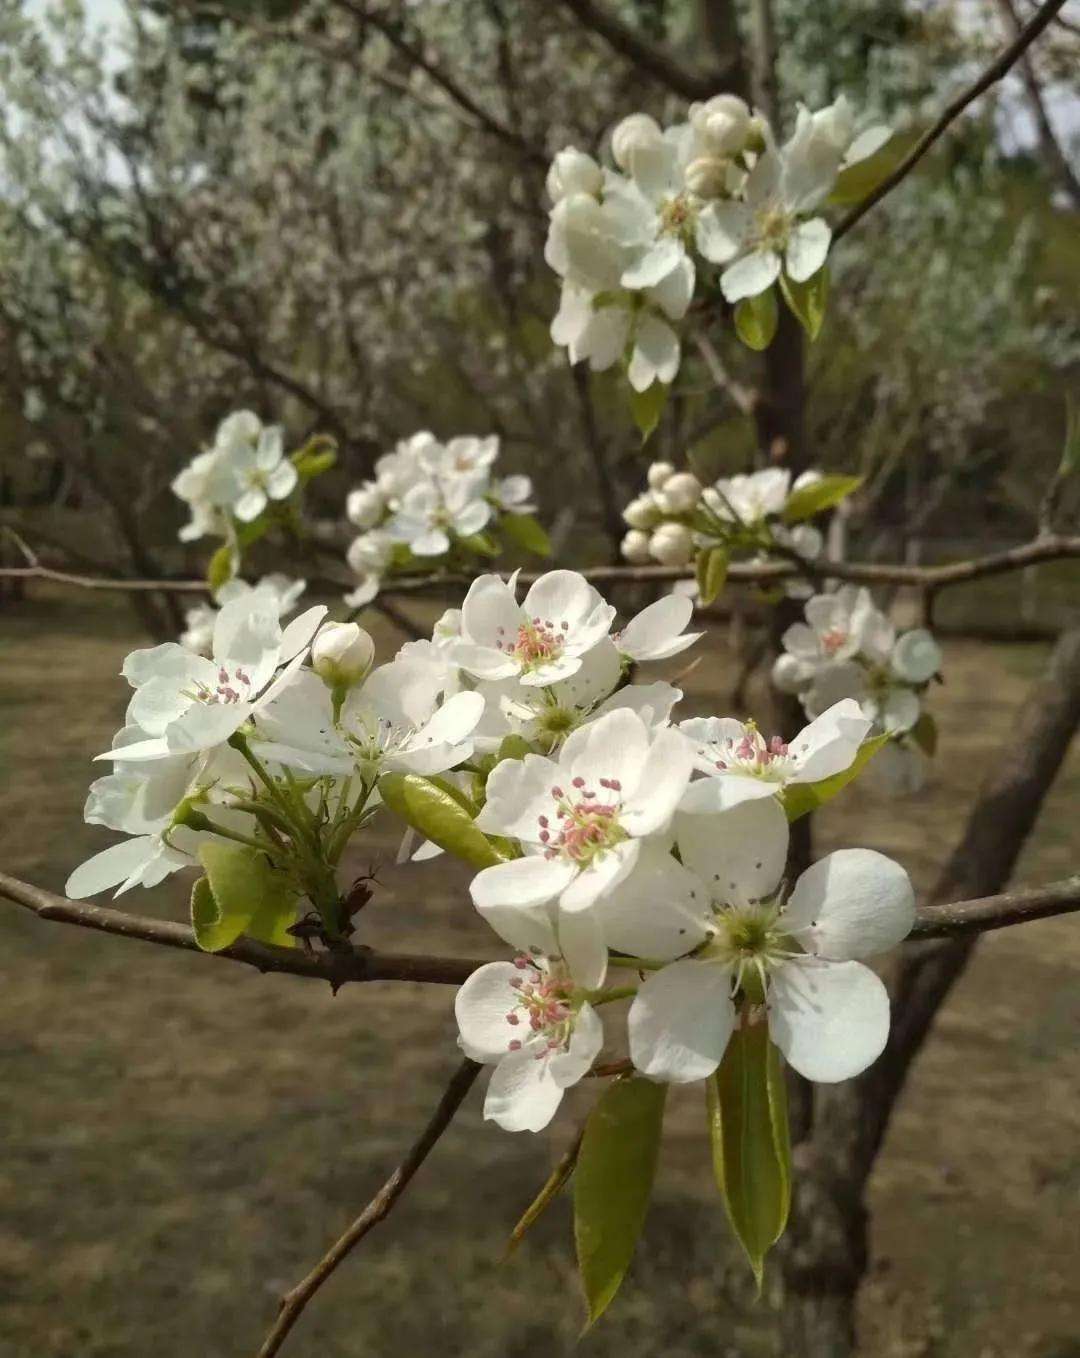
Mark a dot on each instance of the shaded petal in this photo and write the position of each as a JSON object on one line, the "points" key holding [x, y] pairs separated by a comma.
{"points": [[656, 632], [830, 743], [659, 910], [753, 274], [581, 941], [111, 866], [681, 1020], [518, 794], [830, 1019], [661, 784], [615, 747], [852, 903], [721, 230], [586, 1041], [740, 855], [522, 882], [481, 1007], [604, 873], [522, 1095], [808, 249]]}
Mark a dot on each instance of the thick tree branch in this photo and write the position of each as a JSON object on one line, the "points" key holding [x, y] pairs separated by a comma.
{"points": [[993, 73], [649, 58], [293, 1303], [961, 918]]}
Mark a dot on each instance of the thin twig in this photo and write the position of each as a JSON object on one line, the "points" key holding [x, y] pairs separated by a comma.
{"points": [[993, 73], [294, 1301], [998, 912]]}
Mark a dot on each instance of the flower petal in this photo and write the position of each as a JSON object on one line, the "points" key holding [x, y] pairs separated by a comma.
{"points": [[519, 792], [481, 1007], [681, 1020], [522, 1095], [603, 874], [739, 855], [851, 903], [661, 783], [830, 743], [753, 274], [830, 1019], [656, 632], [521, 882], [586, 1041], [807, 249], [659, 910]]}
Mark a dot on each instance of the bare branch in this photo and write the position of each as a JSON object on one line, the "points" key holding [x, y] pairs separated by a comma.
{"points": [[993, 73], [998, 912], [293, 1303], [663, 66]]}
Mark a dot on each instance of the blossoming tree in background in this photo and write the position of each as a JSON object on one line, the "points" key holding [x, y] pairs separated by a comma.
{"points": [[647, 873]]}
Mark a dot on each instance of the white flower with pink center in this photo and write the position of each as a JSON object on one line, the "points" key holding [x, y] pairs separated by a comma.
{"points": [[532, 1022], [581, 820], [540, 640], [741, 765]]}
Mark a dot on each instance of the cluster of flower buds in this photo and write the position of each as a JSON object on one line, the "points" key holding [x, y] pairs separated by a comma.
{"points": [[848, 648], [430, 501], [712, 197], [659, 520]]}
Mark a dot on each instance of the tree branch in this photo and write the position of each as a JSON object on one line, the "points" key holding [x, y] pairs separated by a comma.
{"points": [[993, 73], [998, 912], [293, 1302], [649, 58]]}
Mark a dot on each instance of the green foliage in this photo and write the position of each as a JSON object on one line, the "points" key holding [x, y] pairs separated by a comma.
{"points": [[712, 565], [807, 301], [481, 544], [818, 496], [925, 734], [525, 531], [802, 798], [549, 1191], [613, 1182], [854, 183], [440, 815], [242, 893], [647, 406], [318, 455], [1070, 453], [222, 567], [756, 319], [751, 1143]]}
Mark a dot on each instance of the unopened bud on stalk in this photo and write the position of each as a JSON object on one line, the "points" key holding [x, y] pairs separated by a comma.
{"points": [[707, 176], [642, 512], [680, 494], [659, 473], [635, 547], [638, 132], [672, 545], [341, 654], [573, 171]]}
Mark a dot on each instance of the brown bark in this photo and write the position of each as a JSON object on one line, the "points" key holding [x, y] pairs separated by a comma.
{"points": [[825, 1253]]}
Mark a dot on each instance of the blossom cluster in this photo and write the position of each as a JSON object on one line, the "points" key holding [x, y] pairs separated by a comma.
{"points": [[610, 838], [243, 470], [847, 649], [200, 621], [715, 195], [428, 501], [677, 517]]}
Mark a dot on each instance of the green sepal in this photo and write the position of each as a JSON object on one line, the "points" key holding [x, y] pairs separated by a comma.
{"points": [[612, 1184], [221, 568], [807, 301], [525, 531], [756, 319], [801, 798], [647, 406], [751, 1142], [712, 566], [242, 893], [440, 816], [817, 496]]}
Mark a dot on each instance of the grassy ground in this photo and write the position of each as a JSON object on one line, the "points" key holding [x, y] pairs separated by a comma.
{"points": [[181, 1138]]}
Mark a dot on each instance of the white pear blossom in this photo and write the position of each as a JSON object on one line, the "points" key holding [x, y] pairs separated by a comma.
{"points": [[742, 766], [433, 510], [199, 622], [254, 454], [796, 953], [752, 497], [539, 640], [573, 171], [185, 703], [581, 819], [659, 631]]}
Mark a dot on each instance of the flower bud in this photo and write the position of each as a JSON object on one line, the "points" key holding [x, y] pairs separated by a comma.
{"points": [[642, 512], [680, 494], [916, 656], [638, 132], [635, 547], [364, 507], [658, 474], [672, 545], [341, 654], [573, 171], [836, 124], [370, 552], [722, 123], [707, 176]]}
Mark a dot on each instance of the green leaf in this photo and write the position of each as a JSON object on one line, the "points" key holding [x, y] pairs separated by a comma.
{"points": [[712, 567], [807, 300], [925, 734], [802, 798], [1070, 454], [526, 532], [853, 184], [647, 407], [247, 533], [613, 1182], [318, 455], [242, 893], [439, 816], [482, 544], [818, 496], [756, 319], [751, 1143], [221, 569]]}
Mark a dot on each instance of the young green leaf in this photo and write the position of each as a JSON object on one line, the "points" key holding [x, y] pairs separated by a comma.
{"points": [[222, 568], [807, 300], [802, 798], [318, 455], [925, 734], [853, 184], [613, 1182], [439, 816], [819, 495], [647, 407], [712, 564], [751, 1143], [242, 893], [524, 531], [481, 544], [756, 319]]}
